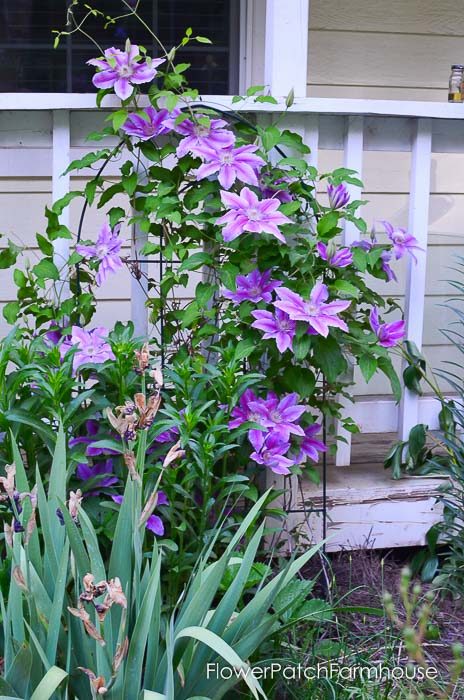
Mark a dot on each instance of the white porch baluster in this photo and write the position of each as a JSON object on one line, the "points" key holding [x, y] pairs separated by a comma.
{"points": [[139, 285], [286, 47], [415, 283], [311, 138], [60, 186], [353, 159]]}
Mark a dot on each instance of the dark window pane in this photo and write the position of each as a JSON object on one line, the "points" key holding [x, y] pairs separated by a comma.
{"points": [[28, 63]]}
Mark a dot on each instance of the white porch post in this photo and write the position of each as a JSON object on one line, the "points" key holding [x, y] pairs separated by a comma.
{"points": [[61, 144], [415, 284], [353, 159], [286, 47], [285, 68]]}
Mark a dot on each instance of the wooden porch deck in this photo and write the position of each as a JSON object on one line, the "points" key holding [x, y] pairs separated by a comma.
{"points": [[365, 506]]}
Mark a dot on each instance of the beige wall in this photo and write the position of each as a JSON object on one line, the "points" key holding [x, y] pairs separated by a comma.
{"points": [[395, 49], [398, 50]]}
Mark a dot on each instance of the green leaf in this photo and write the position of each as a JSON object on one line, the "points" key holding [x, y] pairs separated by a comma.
{"points": [[429, 569], [44, 244], [221, 647], [18, 675], [49, 683], [9, 255], [416, 440], [327, 223], [193, 262], [315, 610], [346, 288], [46, 269], [385, 365], [139, 636], [129, 182], [243, 349], [368, 366], [412, 377], [203, 40], [270, 137], [118, 118], [11, 311], [88, 160], [301, 346], [328, 354], [299, 379]]}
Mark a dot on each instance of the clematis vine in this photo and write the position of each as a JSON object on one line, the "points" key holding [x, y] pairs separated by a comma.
{"points": [[122, 70], [256, 286], [204, 134], [403, 242], [231, 164], [106, 250], [91, 346], [389, 334], [247, 213], [338, 195], [278, 326], [319, 314], [343, 257], [148, 124]]}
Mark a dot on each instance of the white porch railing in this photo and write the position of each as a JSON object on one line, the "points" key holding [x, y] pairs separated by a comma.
{"points": [[351, 126]]}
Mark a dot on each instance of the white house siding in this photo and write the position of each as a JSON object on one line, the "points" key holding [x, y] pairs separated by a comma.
{"points": [[400, 50], [26, 189]]}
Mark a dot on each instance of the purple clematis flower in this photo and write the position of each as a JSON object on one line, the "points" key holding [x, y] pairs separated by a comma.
{"points": [[92, 427], [385, 258], [170, 435], [402, 241], [389, 334], [279, 415], [91, 346], [242, 413], [105, 470], [310, 446], [343, 257], [147, 125], [200, 137], [279, 326], [122, 70], [231, 164], [338, 195], [256, 286], [106, 249], [248, 213], [273, 191], [316, 312], [54, 334], [270, 450], [154, 522]]}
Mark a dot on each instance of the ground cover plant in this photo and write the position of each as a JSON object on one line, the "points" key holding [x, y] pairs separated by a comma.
{"points": [[134, 465]]}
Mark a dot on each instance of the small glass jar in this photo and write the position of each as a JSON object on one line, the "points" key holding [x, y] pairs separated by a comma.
{"points": [[455, 93]]}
